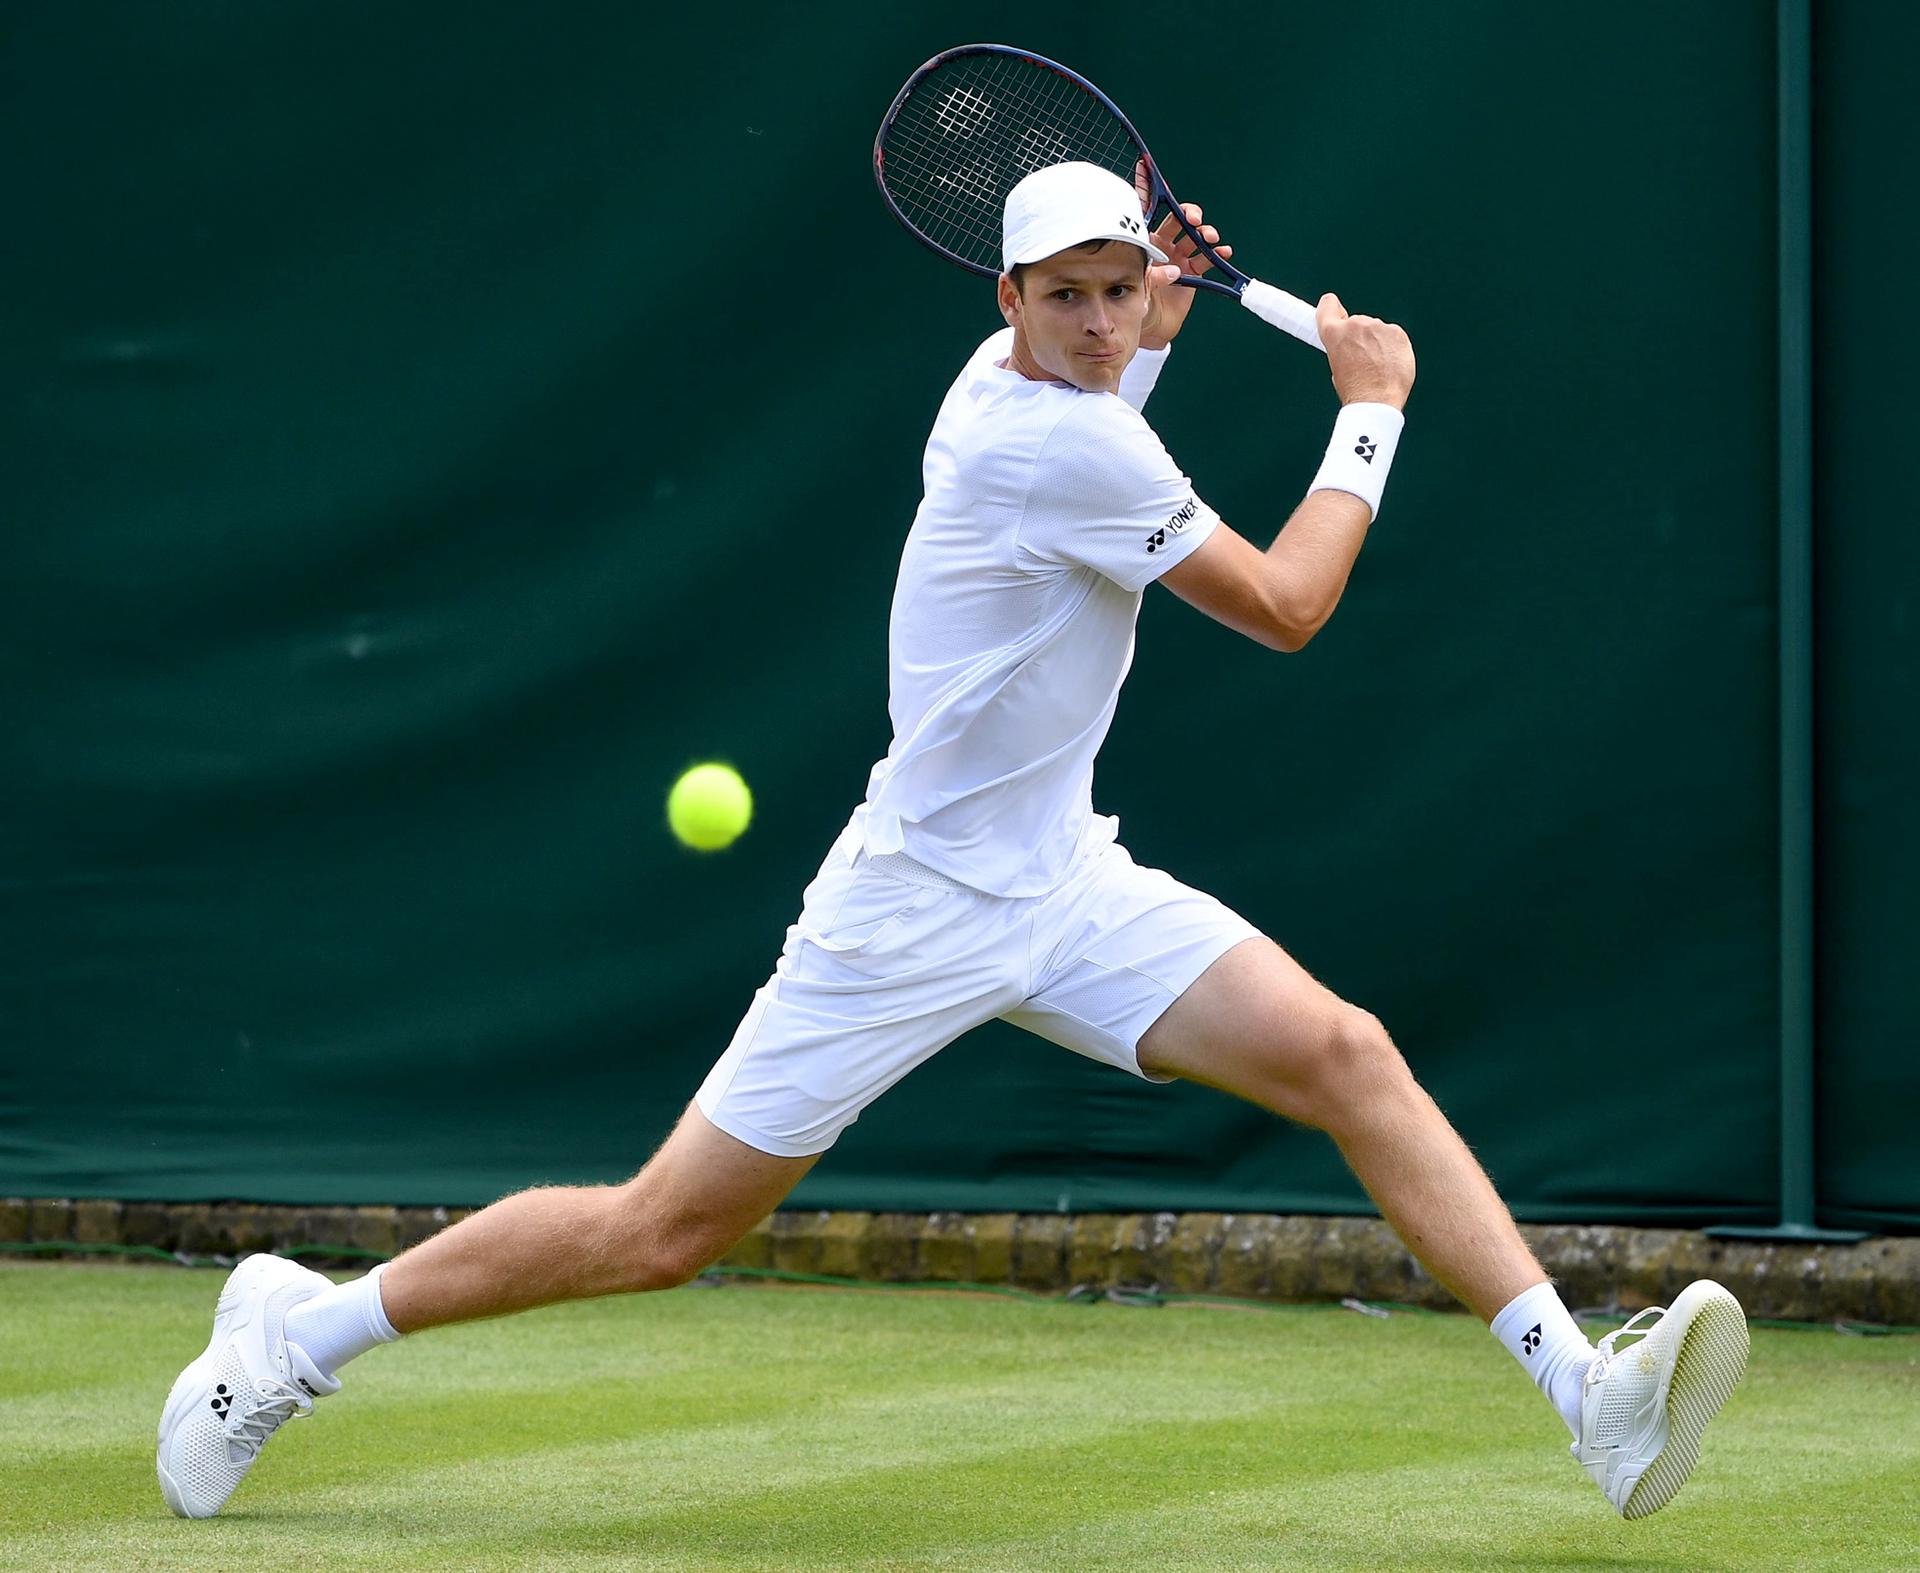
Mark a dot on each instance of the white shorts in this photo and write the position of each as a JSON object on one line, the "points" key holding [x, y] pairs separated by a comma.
{"points": [[890, 961]]}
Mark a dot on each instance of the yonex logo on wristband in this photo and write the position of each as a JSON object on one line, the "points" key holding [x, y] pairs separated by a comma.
{"points": [[1360, 452], [1531, 1341]]}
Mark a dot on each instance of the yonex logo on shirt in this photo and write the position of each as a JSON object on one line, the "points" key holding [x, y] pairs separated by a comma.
{"points": [[1180, 520]]}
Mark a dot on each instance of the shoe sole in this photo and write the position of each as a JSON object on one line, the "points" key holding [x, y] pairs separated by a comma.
{"points": [[1711, 1360], [183, 1396]]}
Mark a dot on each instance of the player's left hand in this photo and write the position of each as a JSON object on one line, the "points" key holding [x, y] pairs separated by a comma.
{"points": [[1167, 302]]}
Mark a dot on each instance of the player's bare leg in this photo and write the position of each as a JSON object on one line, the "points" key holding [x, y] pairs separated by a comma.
{"points": [[1256, 1024], [282, 1331], [695, 1198]]}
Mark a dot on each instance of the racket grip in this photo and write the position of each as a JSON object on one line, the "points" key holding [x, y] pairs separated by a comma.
{"points": [[1289, 313]]}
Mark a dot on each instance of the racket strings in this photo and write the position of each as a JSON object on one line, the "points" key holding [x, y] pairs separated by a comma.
{"points": [[970, 130]]}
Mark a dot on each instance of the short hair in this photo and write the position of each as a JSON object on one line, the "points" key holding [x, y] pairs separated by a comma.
{"points": [[1018, 272]]}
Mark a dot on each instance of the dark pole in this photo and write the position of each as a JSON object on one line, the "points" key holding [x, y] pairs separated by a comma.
{"points": [[1795, 199]]}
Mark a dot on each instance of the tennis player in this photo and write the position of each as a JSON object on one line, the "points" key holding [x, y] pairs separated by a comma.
{"points": [[976, 881]]}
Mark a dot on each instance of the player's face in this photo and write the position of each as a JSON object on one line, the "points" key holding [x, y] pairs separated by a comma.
{"points": [[1080, 312]]}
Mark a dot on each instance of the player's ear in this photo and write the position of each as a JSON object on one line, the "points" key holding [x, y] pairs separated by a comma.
{"points": [[1009, 301]]}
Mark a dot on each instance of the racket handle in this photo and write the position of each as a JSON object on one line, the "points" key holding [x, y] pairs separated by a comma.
{"points": [[1289, 313]]}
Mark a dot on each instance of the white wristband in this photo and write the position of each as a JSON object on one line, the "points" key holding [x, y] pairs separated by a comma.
{"points": [[1142, 372], [1361, 452]]}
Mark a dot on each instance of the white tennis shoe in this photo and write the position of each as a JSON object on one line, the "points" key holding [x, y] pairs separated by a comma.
{"points": [[226, 1404], [1643, 1407]]}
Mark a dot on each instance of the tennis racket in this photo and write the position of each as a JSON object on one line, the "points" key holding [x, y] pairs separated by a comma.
{"points": [[973, 121]]}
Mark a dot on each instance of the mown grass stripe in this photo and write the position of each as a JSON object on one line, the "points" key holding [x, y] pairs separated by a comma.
{"points": [[746, 1429]]}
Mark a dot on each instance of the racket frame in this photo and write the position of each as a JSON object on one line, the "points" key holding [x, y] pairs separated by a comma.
{"points": [[1234, 282]]}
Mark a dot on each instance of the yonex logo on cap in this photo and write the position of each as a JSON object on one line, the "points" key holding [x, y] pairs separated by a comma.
{"points": [[1062, 205]]}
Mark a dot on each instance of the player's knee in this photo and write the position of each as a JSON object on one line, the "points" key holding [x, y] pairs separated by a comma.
{"points": [[666, 1262], [651, 1250], [669, 1268], [1348, 1059], [1364, 1053]]}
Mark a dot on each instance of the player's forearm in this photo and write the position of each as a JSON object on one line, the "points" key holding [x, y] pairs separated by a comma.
{"points": [[1310, 561]]}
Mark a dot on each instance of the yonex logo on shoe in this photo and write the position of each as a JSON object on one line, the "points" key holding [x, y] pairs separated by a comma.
{"points": [[1531, 1340], [1366, 447], [222, 1400], [307, 1385]]}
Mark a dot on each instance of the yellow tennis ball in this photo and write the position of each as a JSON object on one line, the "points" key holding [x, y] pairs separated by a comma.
{"points": [[709, 806]]}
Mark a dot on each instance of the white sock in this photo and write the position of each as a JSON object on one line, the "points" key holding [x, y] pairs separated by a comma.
{"points": [[341, 1322], [1542, 1335]]}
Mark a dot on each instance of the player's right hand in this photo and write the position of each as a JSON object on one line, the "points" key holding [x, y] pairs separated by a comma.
{"points": [[1371, 360]]}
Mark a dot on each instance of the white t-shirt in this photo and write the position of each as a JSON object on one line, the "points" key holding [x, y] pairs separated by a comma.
{"points": [[1047, 511]]}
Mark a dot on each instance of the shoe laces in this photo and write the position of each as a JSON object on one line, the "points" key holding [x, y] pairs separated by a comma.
{"points": [[274, 1404], [1607, 1350]]}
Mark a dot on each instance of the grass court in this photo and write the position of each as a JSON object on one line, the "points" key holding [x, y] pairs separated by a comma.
{"points": [[779, 1428]]}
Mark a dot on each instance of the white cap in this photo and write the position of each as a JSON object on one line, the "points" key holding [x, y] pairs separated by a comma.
{"points": [[1067, 205]]}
